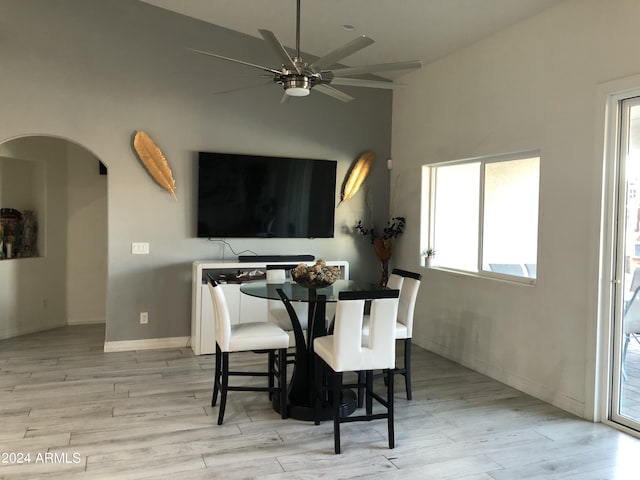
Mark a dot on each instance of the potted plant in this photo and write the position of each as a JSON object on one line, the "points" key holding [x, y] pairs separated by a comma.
{"points": [[428, 254]]}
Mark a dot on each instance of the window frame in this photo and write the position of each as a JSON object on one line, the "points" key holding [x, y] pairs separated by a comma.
{"points": [[427, 217]]}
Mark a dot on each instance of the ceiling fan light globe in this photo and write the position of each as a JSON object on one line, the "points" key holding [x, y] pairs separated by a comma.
{"points": [[297, 86], [297, 91]]}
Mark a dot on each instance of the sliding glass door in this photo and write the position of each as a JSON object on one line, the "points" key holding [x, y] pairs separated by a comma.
{"points": [[625, 393]]}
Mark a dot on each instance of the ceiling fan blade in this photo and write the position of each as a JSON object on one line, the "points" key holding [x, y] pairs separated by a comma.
{"points": [[238, 89], [242, 62], [287, 61], [333, 92], [380, 67], [285, 98], [356, 82], [339, 53]]}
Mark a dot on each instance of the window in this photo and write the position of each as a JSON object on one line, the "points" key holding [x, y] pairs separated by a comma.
{"points": [[481, 215]]}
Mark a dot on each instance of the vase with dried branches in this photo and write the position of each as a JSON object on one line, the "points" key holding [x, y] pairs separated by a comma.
{"points": [[382, 242]]}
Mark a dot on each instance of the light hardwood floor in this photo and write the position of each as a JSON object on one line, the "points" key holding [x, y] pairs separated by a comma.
{"points": [[82, 413]]}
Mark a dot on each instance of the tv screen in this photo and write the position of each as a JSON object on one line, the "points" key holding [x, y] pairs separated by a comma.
{"points": [[259, 196]]}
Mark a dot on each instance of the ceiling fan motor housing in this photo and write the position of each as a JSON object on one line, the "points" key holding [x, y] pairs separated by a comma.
{"points": [[297, 85]]}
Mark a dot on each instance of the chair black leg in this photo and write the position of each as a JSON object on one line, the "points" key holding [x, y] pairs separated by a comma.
{"points": [[390, 419], [369, 390], [216, 376], [361, 391], [337, 387], [407, 366], [317, 391], [225, 384], [282, 381], [270, 369]]}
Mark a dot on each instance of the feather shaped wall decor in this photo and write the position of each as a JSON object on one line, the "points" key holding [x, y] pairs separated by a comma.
{"points": [[357, 175], [154, 161]]}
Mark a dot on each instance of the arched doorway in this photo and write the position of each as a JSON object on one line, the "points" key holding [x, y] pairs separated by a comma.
{"points": [[64, 281]]}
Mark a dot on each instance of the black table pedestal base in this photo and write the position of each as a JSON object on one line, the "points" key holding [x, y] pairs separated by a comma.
{"points": [[348, 405]]}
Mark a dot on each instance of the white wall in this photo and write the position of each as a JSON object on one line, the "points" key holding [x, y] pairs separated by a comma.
{"points": [[33, 293], [87, 239], [17, 183], [533, 86], [67, 283]]}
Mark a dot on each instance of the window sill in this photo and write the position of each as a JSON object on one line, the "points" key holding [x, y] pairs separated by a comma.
{"points": [[525, 282]]}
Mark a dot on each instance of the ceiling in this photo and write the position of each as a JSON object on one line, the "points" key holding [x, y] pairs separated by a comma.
{"points": [[402, 29]]}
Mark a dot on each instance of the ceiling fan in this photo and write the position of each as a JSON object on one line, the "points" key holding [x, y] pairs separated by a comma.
{"points": [[298, 77]]}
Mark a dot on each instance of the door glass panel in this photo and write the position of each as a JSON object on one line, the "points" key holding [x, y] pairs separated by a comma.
{"points": [[626, 392]]}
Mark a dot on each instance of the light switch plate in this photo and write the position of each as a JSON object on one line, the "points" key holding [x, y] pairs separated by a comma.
{"points": [[140, 248]]}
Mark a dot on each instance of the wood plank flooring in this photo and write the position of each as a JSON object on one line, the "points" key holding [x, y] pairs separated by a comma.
{"points": [[81, 413]]}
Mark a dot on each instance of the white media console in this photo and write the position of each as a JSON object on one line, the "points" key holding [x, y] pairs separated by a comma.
{"points": [[242, 308]]}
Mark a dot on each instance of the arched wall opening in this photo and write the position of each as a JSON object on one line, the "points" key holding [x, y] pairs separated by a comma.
{"points": [[64, 281]]}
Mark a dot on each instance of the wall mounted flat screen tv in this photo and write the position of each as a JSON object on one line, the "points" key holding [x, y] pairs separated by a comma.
{"points": [[259, 196]]}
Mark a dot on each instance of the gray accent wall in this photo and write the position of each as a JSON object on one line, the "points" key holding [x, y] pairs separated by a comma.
{"points": [[94, 71]]}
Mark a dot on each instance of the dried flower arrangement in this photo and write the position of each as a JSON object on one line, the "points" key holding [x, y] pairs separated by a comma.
{"points": [[394, 227], [319, 275], [382, 243]]}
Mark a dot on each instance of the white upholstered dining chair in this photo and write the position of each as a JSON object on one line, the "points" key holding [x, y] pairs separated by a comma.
{"points": [[259, 337], [343, 351], [408, 283], [277, 313]]}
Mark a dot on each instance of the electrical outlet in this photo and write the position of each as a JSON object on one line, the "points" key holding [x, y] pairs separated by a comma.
{"points": [[140, 248], [144, 318]]}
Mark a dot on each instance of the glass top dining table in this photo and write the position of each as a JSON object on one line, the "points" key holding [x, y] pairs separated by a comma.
{"points": [[298, 293], [301, 387]]}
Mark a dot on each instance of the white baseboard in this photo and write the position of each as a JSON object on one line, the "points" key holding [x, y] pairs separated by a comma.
{"points": [[146, 344]]}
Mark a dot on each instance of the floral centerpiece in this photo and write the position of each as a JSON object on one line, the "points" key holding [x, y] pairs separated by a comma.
{"points": [[319, 275], [382, 241]]}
